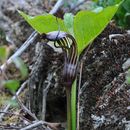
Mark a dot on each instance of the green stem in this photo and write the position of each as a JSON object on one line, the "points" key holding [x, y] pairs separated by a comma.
{"points": [[73, 105], [68, 96]]}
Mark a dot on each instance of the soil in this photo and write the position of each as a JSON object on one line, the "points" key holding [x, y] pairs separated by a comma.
{"points": [[104, 91], [105, 94]]}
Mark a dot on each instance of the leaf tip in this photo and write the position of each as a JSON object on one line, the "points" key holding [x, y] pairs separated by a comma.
{"points": [[20, 12]]}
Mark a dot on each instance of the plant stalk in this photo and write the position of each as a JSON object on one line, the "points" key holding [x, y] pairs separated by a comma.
{"points": [[68, 97]]}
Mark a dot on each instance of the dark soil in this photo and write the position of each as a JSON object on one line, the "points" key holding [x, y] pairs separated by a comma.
{"points": [[102, 104]]}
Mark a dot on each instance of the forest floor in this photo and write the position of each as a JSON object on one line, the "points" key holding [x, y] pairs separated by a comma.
{"points": [[104, 91]]}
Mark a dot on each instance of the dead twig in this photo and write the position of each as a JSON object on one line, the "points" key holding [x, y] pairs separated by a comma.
{"points": [[34, 125], [44, 124], [57, 6], [45, 91], [25, 109], [26, 44]]}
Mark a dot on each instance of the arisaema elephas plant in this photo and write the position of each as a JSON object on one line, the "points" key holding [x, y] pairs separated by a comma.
{"points": [[72, 34]]}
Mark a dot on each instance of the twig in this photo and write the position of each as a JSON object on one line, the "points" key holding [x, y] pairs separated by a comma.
{"points": [[34, 125], [18, 92], [28, 42], [24, 108], [57, 6], [44, 124], [45, 91]]}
